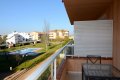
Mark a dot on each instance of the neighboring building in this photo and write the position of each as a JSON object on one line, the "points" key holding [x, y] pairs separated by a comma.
{"points": [[17, 37], [36, 36], [54, 34]]}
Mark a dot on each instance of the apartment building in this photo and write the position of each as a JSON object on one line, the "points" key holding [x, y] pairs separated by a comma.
{"points": [[54, 34], [16, 37], [36, 36]]}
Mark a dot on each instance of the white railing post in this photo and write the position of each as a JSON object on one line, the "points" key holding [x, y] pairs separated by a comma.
{"points": [[52, 72], [55, 69]]}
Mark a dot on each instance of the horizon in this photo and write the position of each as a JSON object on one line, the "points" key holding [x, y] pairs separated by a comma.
{"points": [[29, 16]]}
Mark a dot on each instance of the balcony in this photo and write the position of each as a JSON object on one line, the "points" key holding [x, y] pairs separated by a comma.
{"points": [[63, 65], [70, 66]]}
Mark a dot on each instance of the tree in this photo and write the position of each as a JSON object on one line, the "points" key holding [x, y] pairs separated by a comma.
{"points": [[46, 34], [4, 38], [43, 38], [1, 40], [18, 58]]}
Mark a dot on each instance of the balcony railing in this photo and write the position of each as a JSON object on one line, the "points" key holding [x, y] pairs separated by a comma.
{"points": [[54, 61], [70, 50]]}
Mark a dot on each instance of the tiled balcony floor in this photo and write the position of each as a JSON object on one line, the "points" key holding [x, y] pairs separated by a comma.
{"points": [[74, 76]]}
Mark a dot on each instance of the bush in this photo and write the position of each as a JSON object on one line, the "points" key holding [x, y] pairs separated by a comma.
{"points": [[17, 45]]}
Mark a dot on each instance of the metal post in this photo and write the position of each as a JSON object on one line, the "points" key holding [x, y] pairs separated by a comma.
{"points": [[54, 69]]}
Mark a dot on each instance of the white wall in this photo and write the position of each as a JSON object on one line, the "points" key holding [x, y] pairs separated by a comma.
{"points": [[93, 37], [16, 37]]}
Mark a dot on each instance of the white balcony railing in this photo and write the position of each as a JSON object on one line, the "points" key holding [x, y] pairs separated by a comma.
{"points": [[52, 60]]}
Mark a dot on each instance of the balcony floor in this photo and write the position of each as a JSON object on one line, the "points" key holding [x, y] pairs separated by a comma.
{"points": [[74, 76]]}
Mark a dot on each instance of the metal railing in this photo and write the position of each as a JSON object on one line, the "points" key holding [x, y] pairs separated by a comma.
{"points": [[52, 60], [70, 50]]}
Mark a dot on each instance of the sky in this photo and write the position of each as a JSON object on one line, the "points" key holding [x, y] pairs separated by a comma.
{"points": [[30, 15]]}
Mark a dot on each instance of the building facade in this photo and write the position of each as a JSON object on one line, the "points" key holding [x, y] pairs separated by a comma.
{"points": [[36, 36], [54, 34], [17, 37]]}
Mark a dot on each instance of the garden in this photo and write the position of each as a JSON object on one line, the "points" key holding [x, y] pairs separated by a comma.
{"points": [[18, 62]]}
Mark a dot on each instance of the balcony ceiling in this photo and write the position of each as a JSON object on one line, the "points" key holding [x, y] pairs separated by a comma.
{"points": [[80, 10]]}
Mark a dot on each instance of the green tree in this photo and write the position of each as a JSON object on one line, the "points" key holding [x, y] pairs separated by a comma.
{"points": [[18, 58], [1, 40], [4, 38]]}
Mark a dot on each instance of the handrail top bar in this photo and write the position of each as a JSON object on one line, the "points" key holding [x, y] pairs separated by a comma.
{"points": [[38, 72]]}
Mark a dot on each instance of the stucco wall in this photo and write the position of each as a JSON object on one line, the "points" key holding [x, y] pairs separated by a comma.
{"points": [[114, 13], [116, 33]]}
